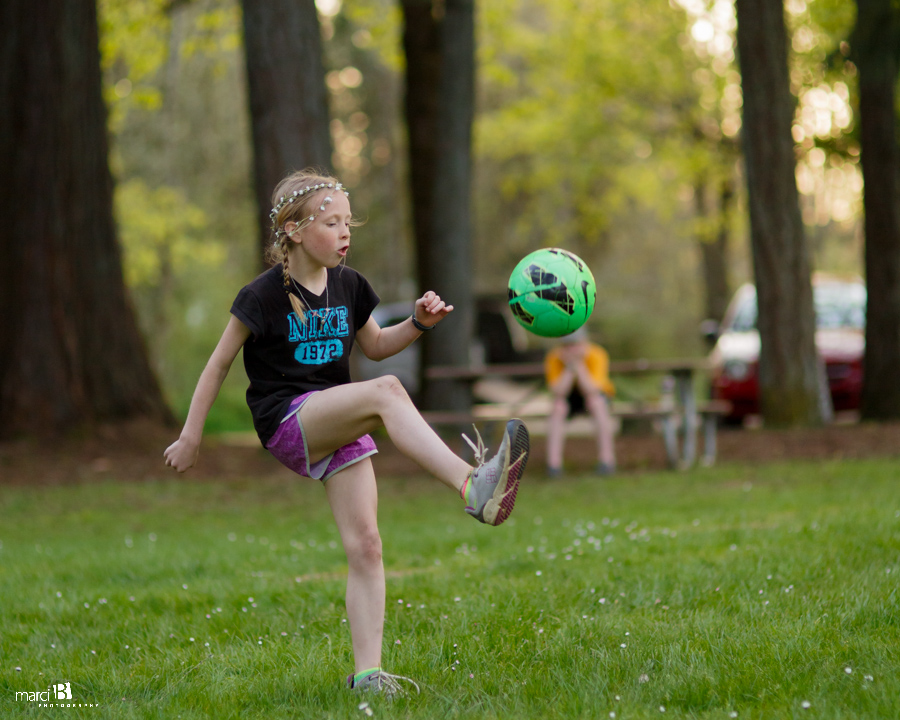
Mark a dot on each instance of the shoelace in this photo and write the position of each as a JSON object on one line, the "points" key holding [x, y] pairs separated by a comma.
{"points": [[390, 686], [480, 450]]}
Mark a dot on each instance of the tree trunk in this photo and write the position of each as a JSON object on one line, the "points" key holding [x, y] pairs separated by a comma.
{"points": [[71, 354], [876, 39], [288, 100], [714, 248], [791, 378], [439, 41]]}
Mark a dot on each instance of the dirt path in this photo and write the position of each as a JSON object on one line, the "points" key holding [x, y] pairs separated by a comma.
{"points": [[135, 452]]}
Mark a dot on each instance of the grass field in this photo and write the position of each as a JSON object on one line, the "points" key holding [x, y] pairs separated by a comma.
{"points": [[732, 592]]}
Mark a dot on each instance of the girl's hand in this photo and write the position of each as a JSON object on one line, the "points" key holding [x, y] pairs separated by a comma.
{"points": [[181, 454], [430, 309]]}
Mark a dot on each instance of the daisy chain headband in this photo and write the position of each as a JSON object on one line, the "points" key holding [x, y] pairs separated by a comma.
{"points": [[296, 195]]}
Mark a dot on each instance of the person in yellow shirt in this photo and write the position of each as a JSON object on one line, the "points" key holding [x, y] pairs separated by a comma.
{"points": [[577, 374]]}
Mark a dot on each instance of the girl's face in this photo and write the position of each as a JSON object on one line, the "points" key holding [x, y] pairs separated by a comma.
{"points": [[326, 240]]}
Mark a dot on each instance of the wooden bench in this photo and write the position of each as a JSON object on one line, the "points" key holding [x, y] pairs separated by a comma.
{"points": [[675, 436]]}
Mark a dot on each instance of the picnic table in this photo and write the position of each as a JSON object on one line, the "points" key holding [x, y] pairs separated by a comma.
{"points": [[679, 412]]}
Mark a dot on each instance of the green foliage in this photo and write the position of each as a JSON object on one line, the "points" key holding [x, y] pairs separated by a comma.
{"points": [[133, 46], [580, 116], [161, 232], [766, 592], [378, 26]]}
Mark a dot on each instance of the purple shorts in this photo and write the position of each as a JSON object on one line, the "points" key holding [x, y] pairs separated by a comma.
{"points": [[288, 445]]}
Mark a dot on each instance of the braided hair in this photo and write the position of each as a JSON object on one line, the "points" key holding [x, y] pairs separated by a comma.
{"points": [[292, 201]]}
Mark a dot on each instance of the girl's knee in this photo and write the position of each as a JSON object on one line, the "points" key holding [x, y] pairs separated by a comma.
{"points": [[389, 389], [364, 549]]}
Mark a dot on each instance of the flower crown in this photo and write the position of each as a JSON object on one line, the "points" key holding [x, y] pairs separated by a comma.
{"points": [[296, 195]]}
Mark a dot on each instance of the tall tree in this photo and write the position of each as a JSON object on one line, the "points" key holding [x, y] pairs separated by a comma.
{"points": [[714, 242], [288, 100], [876, 49], [70, 350], [790, 374], [439, 42]]}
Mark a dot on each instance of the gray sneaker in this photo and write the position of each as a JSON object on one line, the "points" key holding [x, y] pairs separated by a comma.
{"points": [[496, 482], [382, 682]]}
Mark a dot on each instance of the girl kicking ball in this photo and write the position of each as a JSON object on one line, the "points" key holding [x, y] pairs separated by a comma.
{"points": [[296, 324]]}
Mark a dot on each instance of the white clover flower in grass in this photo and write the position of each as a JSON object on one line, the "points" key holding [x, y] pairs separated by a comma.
{"points": [[806, 704], [868, 678], [848, 670]]}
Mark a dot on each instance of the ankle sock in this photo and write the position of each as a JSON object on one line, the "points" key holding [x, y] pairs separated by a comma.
{"points": [[360, 676], [466, 490]]}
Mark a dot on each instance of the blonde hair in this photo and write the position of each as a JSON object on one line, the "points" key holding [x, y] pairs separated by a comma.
{"points": [[292, 201]]}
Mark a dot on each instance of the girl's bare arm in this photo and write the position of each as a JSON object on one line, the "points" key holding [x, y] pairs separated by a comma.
{"points": [[182, 454], [379, 343]]}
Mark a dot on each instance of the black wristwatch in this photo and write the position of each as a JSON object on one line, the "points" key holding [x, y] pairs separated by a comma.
{"points": [[419, 326]]}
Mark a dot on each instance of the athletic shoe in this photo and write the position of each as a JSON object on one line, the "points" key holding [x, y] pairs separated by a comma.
{"points": [[382, 682], [494, 483], [605, 469]]}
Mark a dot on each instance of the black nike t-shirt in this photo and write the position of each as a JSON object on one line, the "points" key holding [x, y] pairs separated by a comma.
{"points": [[285, 357]]}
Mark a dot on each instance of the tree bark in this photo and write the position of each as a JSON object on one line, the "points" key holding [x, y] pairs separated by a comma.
{"points": [[288, 99], [875, 46], [714, 249], [439, 42], [791, 378], [71, 354]]}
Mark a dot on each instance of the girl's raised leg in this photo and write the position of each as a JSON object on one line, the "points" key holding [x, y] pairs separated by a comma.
{"points": [[353, 497], [339, 415]]}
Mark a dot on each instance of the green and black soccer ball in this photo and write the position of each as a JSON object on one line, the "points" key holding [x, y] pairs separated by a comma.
{"points": [[552, 292]]}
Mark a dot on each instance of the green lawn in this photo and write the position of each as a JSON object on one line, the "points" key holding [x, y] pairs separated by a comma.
{"points": [[747, 592]]}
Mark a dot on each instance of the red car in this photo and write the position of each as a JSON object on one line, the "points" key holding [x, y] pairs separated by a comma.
{"points": [[840, 338]]}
